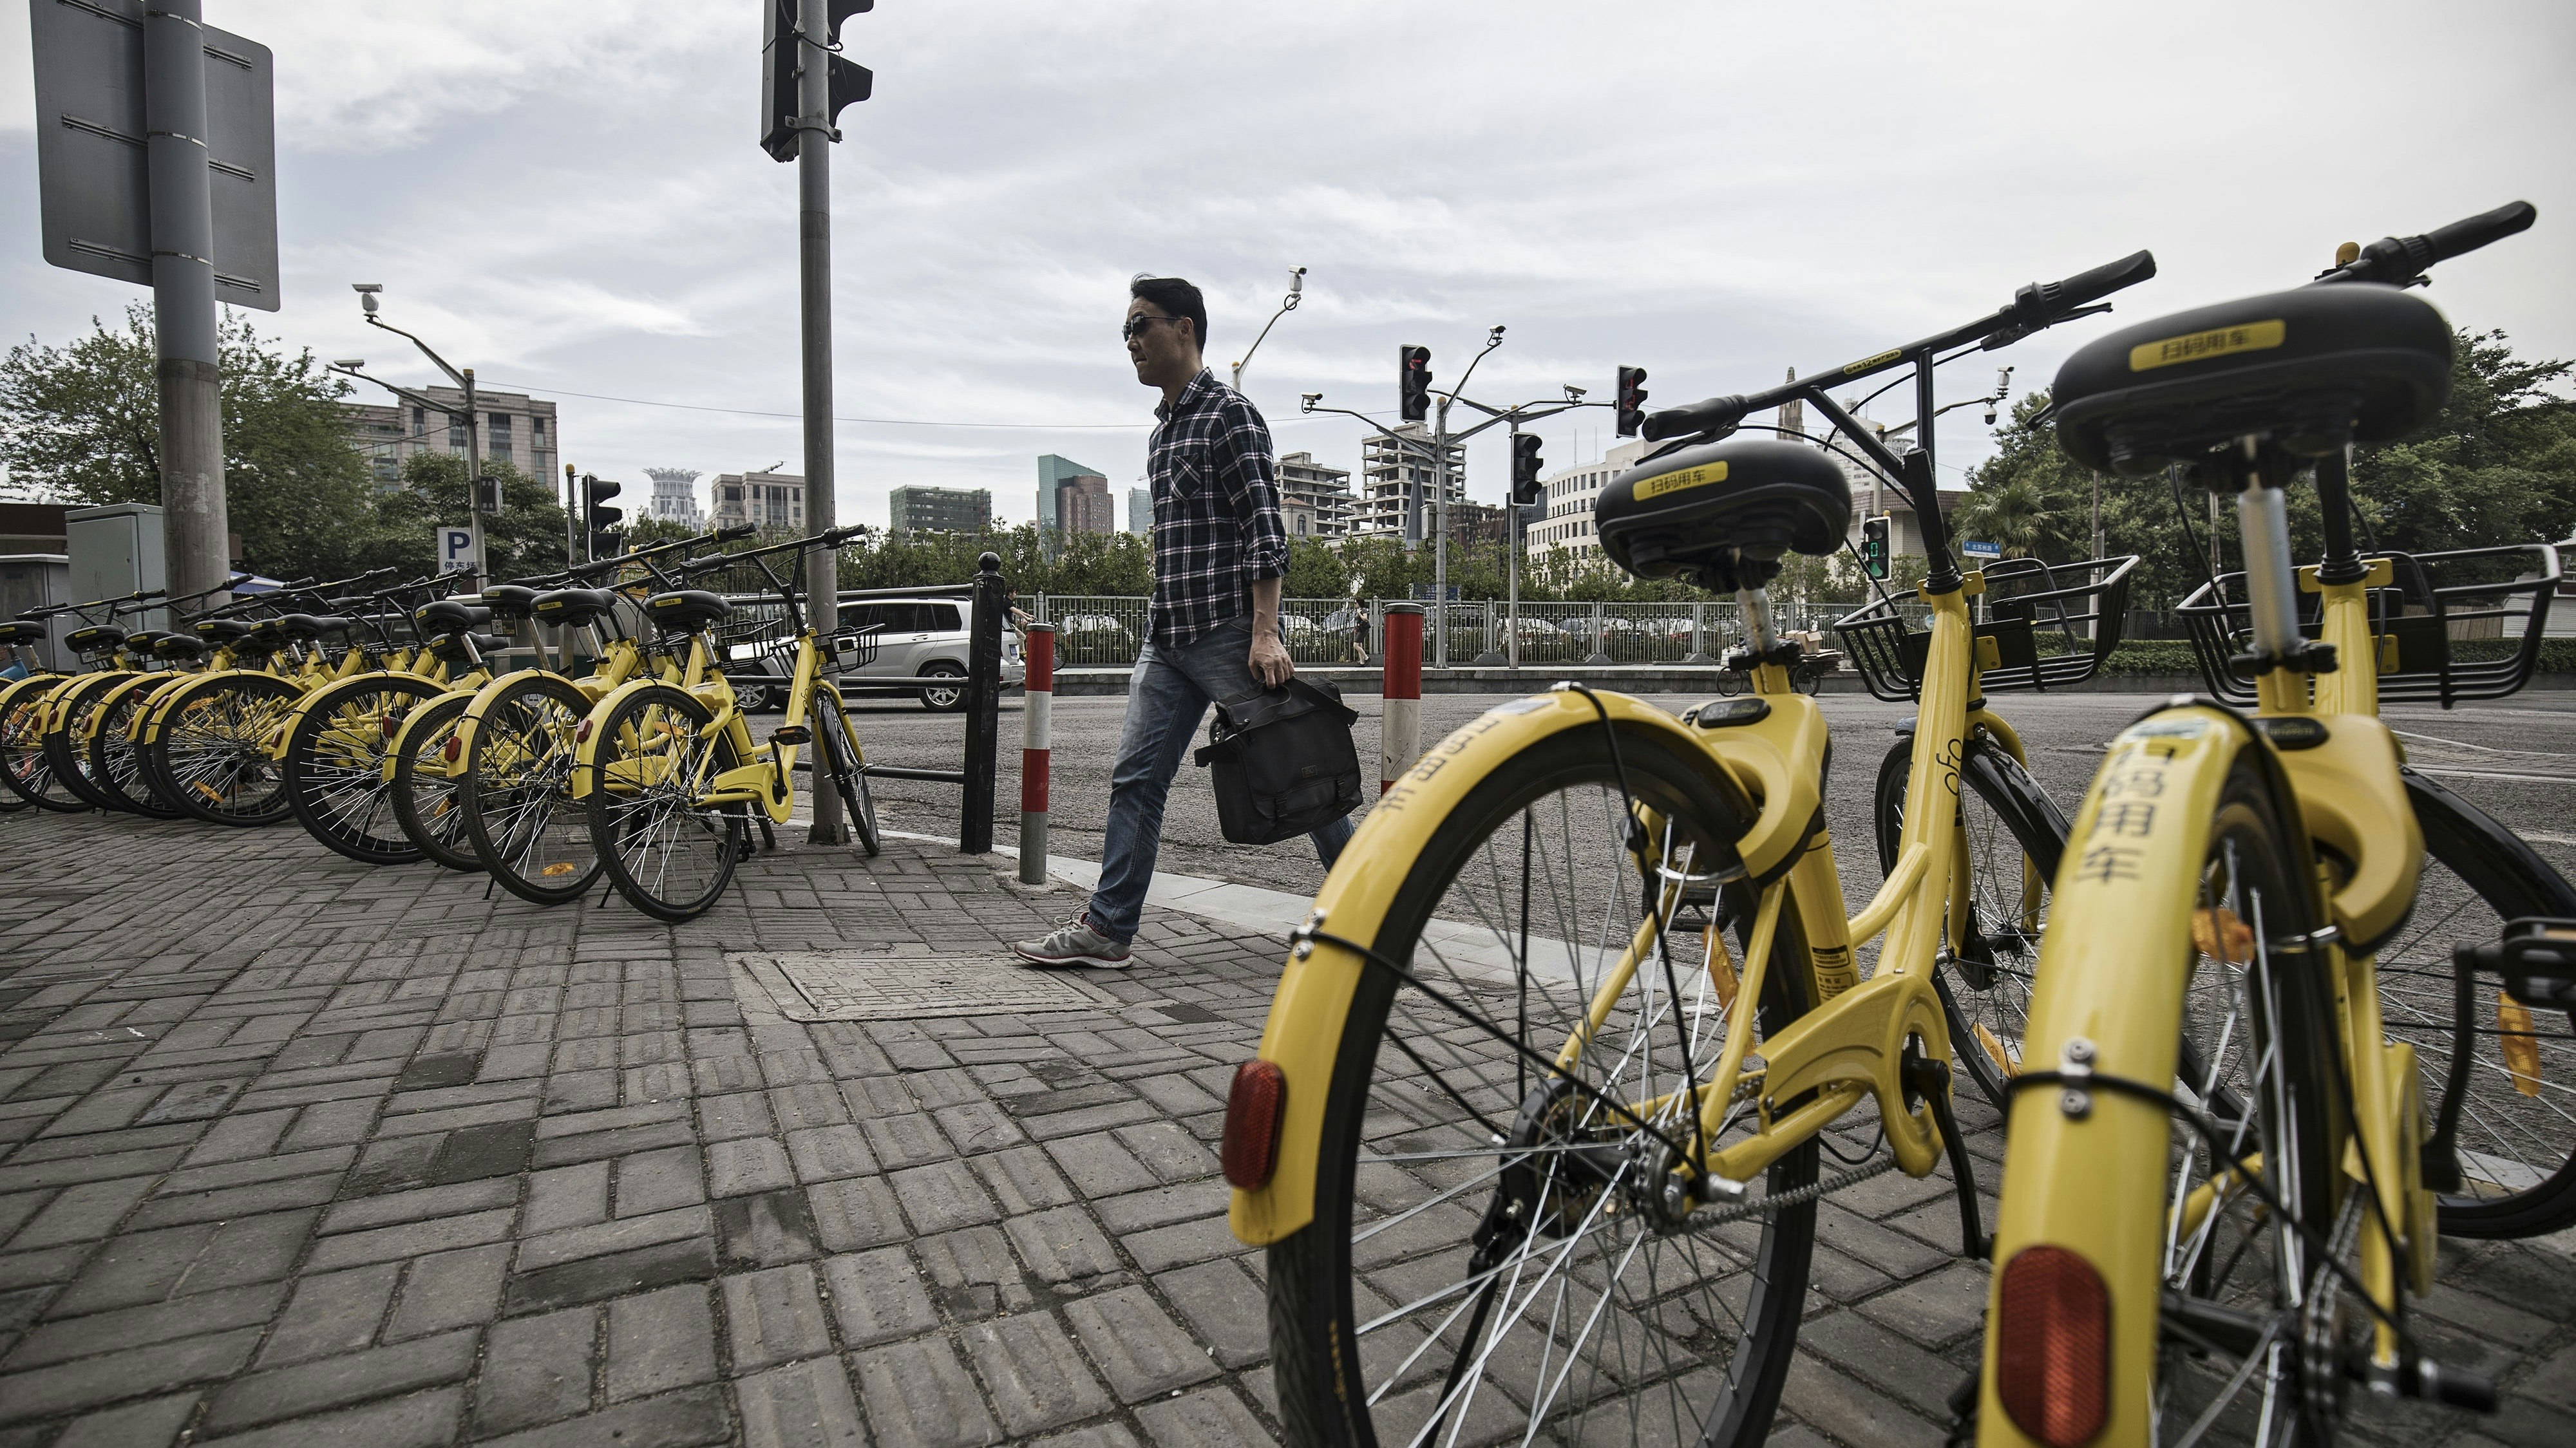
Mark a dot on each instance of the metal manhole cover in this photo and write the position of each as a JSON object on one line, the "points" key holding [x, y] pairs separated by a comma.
{"points": [[910, 983]]}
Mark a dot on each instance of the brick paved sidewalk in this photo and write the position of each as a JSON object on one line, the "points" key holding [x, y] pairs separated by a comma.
{"points": [[294, 1151]]}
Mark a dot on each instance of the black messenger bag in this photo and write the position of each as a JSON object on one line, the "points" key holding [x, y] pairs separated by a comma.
{"points": [[1282, 762]]}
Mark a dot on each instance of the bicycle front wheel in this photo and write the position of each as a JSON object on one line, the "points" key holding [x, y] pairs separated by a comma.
{"points": [[1493, 1251], [66, 745], [424, 793], [526, 827], [115, 764], [2012, 837], [668, 851], [849, 770], [25, 772], [335, 766]]}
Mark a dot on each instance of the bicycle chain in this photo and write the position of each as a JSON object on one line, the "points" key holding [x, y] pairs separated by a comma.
{"points": [[1794, 1197]]}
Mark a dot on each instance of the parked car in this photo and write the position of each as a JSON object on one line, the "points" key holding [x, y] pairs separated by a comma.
{"points": [[924, 638]]}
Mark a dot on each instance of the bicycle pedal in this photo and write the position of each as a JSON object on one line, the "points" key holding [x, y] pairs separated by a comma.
{"points": [[791, 734], [2536, 956]]}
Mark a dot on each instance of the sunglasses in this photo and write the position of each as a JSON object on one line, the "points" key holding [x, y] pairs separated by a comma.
{"points": [[1136, 326]]}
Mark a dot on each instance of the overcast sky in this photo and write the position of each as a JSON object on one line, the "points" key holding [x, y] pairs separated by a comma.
{"points": [[569, 197]]}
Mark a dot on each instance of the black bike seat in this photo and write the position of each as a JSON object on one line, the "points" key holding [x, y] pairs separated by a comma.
{"points": [[221, 630], [1700, 508], [509, 600], [574, 606], [447, 615], [22, 631], [685, 610]]}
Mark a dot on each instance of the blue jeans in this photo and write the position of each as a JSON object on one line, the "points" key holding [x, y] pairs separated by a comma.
{"points": [[1167, 698]]}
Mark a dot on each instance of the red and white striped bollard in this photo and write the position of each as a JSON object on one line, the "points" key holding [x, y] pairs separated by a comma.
{"points": [[1400, 728], [1038, 653]]}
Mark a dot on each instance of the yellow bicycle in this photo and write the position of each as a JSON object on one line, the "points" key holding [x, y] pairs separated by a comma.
{"points": [[1576, 1036], [2210, 963]]}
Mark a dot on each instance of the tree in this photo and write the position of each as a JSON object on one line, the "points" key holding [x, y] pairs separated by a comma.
{"points": [[524, 540], [80, 424]]}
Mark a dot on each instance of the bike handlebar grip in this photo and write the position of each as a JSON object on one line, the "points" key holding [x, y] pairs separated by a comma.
{"points": [[735, 533], [2461, 237], [839, 536], [2085, 287], [1708, 415]]}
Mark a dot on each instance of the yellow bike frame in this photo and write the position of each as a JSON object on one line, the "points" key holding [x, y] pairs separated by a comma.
{"points": [[1847, 1048], [2113, 969], [768, 781]]}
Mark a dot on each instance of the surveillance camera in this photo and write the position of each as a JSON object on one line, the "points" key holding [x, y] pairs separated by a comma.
{"points": [[1990, 417], [1574, 393], [368, 302], [366, 286], [350, 364]]}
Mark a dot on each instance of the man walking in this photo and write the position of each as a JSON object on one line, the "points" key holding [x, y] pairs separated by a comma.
{"points": [[1220, 559]]}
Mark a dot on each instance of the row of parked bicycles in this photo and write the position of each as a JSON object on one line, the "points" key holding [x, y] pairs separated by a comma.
{"points": [[1583, 1033], [375, 715]]}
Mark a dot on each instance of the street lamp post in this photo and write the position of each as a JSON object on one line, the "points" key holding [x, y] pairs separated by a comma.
{"points": [[1440, 488], [463, 378], [1287, 304]]}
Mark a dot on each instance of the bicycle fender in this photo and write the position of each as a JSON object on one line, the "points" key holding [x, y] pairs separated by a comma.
{"points": [[97, 720], [484, 699], [330, 694], [2111, 971], [586, 750], [1303, 1035]]}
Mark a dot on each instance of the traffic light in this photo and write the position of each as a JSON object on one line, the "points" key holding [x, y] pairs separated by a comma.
{"points": [[1632, 400], [1873, 545], [595, 493], [851, 81], [1413, 382], [487, 495], [1526, 466]]}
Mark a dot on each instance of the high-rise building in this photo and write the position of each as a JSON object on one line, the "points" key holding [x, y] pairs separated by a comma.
{"points": [[763, 500], [1052, 472], [1569, 495], [1401, 492], [517, 429], [940, 510], [1083, 505], [675, 496], [1314, 500], [1140, 511]]}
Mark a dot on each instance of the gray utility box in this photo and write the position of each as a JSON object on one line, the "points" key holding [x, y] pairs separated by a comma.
{"points": [[38, 580], [116, 550]]}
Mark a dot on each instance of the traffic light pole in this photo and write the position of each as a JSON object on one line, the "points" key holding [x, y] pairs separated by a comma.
{"points": [[814, 255]]}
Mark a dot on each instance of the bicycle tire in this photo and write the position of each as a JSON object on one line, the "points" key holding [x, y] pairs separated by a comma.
{"points": [[115, 764], [26, 775], [2296, 1032], [1807, 679], [1986, 980], [335, 766], [641, 827], [210, 755], [1729, 683], [528, 831], [849, 771], [65, 748], [2478, 875], [1323, 1359], [424, 794]]}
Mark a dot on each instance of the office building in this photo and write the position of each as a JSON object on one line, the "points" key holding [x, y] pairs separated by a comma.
{"points": [[517, 429], [1474, 522], [1314, 500], [1083, 505], [1569, 495], [1140, 511], [675, 497], [764, 500], [1053, 472], [939, 510], [1400, 492]]}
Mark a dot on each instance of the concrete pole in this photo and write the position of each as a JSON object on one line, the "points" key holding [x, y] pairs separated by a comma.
{"points": [[814, 255], [474, 478], [195, 524], [1440, 540]]}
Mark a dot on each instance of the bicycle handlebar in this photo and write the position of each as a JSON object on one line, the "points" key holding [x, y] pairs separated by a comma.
{"points": [[2400, 261], [2034, 308]]}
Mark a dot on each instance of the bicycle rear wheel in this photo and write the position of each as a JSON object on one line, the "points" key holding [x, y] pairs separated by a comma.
{"points": [[335, 766], [67, 741], [115, 764], [668, 853], [211, 754], [26, 774], [2014, 838], [848, 767], [1492, 1250], [526, 827], [424, 793]]}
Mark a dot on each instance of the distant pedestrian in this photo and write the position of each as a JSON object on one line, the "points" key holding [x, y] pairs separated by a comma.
{"points": [[1359, 631], [1220, 561]]}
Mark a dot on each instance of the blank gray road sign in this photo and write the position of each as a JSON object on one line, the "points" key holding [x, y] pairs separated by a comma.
{"points": [[90, 156]]}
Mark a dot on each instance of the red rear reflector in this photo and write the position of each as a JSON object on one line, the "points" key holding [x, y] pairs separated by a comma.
{"points": [[2053, 1346], [1252, 1111], [582, 734], [454, 749]]}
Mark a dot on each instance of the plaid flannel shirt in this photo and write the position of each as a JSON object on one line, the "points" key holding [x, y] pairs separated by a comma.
{"points": [[1216, 510]]}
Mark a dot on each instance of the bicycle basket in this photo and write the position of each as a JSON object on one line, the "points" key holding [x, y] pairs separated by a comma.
{"points": [[2052, 625], [853, 648], [2456, 625]]}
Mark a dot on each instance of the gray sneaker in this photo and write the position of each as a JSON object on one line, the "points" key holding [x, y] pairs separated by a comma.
{"points": [[1075, 943]]}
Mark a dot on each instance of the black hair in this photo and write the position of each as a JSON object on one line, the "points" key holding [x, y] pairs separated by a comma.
{"points": [[1177, 298]]}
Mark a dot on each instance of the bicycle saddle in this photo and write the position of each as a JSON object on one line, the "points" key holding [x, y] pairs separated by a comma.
{"points": [[304, 627], [22, 631], [510, 600], [447, 616], [221, 630], [177, 648], [97, 638], [2312, 369], [686, 610], [451, 646], [1701, 513], [572, 607]]}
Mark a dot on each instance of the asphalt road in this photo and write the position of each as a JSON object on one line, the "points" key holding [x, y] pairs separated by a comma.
{"points": [[2515, 759]]}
